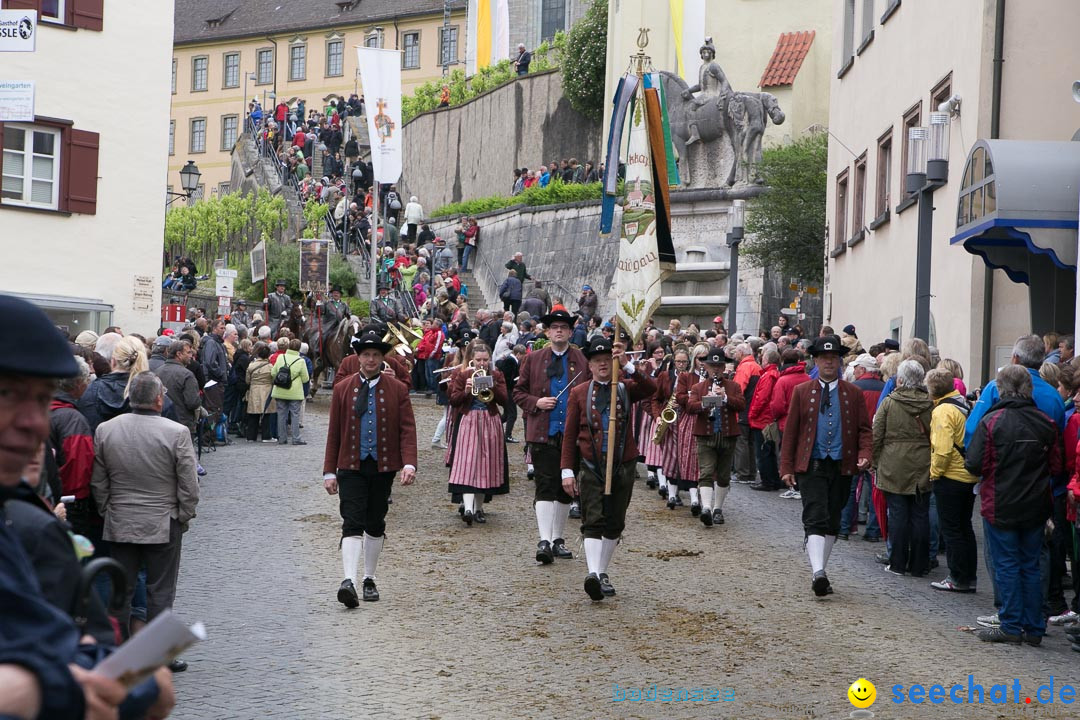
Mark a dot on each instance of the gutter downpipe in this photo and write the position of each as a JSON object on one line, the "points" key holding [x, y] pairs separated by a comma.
{"points": [[274, 43], [995, 133]]}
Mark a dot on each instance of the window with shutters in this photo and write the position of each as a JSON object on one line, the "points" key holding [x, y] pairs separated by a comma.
{"points": [[79, 14], [174, 76], [410, 59], [223, 189], [840, 226], [552, 18], [48, 165], [31, 166], [199, 68], [198, 135], [883, 187], [232, 70], [172, 137], [448, 46], [229, 124], [264, 61], [335, 58], [858, 211], [297, 61]]}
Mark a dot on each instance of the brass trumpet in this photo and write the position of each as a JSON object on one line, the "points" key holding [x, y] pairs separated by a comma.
{"points": [[481, 391]]}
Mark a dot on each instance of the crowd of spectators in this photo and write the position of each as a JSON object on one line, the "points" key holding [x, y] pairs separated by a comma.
{"points": [[566, 171]]}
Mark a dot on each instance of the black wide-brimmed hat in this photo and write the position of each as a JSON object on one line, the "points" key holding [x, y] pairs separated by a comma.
{"points": [[467, 336], [369, 339], [828, 344], [716, 357], [241, 303], [336, 288], [282, 283], [34, 346], [598, 346], [558, 314], [382, 286]]}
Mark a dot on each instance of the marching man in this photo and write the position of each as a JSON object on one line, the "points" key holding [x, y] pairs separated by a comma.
{"points": [[372, 435], [542, 392], [588, 423], [716, 430], [828, 438]]}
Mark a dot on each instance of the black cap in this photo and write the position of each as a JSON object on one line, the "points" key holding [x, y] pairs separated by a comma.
{"points": [[716, 357], [382, 286], [369, 339], [598, 346], [558, 315], [849, 330], [35, 347], [282, 283], [335, 288], [241, 303], [891, 344], [828, 344]]}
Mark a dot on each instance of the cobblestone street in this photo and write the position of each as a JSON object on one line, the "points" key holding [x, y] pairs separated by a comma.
{"points": [[469, 626]]}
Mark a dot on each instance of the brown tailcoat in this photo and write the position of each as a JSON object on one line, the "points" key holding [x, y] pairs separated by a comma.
{"points": [[533, 384], [396, 426], [689, 396], [577, 440], [801, 429]]}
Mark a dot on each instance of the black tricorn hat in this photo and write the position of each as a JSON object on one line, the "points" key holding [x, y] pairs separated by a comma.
{"points": [[35, 348], [598, 346], [369, 339], [828, 344]]}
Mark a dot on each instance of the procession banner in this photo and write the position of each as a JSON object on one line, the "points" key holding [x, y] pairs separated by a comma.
{"points": [[314, 265], [624, 93], [380, 74], [258, 262], [646, 253], [653, 80]]}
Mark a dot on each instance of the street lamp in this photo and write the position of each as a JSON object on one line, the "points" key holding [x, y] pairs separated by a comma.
{"points": [[189, 180], [735, 235], [928, 169]]}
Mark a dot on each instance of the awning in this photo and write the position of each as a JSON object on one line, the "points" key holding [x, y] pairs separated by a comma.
{"points": [[1017, 207]]}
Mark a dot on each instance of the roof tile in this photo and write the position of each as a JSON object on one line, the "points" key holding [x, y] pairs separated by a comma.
{"points": [[787, 58]]}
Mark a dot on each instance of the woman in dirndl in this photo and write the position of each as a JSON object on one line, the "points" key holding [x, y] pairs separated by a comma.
{"points": [[478, 462], [646, 425], [690, 373], [671, 461]]}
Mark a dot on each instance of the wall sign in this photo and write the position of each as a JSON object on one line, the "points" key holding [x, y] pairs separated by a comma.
{"points": [[16, 100], [18, 30]]}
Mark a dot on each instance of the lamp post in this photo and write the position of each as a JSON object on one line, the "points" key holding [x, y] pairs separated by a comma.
{"points": [[734, 237], [189, 180], [928, 169], [248, 77]]}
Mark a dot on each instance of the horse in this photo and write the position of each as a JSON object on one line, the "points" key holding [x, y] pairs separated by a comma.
{"points": [[713, 123], [333, 348]]}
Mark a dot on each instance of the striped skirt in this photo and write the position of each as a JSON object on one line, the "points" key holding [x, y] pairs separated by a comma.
{"points": [[645, 431], [654, 454], [479, 460], [686, 462]]}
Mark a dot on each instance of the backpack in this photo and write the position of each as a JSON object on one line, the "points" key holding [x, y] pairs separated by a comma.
{"points": [[283, 378], [392, 201], [960, 404]]}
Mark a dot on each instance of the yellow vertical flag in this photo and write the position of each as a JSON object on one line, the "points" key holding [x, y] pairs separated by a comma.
{"points": [[677, 7], [688, 26], [483, 33]]}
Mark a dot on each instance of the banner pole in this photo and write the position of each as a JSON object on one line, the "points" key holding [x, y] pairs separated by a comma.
{"points": [[374, 235]]}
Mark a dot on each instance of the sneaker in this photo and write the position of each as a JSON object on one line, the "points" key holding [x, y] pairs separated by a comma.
{"points": [[299, 442], [1066, 618], [997, 635], [882, 558], [512, 440], [950, 585], [871, 538], [199, 469], [842, 536], [989, 621], [1032, 640], [795, 495], [889, 569]]}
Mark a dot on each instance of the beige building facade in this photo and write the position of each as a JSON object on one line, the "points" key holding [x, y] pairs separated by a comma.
{"points": [[746, 35], [270, 51], [894, 63], [83, 201]]}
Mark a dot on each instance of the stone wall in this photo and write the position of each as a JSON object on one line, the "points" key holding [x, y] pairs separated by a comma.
{"points": [[470, 151]]}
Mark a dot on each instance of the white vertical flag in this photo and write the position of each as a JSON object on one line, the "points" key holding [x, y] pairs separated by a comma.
{"points": [[688, 23], [500, 46], [380, 75]]}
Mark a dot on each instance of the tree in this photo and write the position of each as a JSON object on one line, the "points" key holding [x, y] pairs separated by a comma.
{"points": [[585, 62], [786, 225], [283, 262]]}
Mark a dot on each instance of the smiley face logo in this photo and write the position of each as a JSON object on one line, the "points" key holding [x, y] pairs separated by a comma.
{"points": [[862, 693]]}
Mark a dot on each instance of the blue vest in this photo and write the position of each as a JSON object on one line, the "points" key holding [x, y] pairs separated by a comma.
{"points": [[557, 419], [829, 440], [369, 435]]}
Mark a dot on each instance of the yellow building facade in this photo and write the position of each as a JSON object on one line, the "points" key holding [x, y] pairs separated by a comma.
{"points": [[215, 74]]}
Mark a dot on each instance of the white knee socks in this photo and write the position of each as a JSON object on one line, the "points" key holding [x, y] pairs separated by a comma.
{"points": [[469, 501], [607, 549], [477, 503], [545, 516], [695, 496], [721, 495], [594, 554], [372, 548], [558, 525], [672, 490], [661, 477], [706, 497], [815, 550], [830, 540], [351, 548]]}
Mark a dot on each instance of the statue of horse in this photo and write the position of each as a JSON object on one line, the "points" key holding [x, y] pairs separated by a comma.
{"points": [[712, 119], [751, 112]]}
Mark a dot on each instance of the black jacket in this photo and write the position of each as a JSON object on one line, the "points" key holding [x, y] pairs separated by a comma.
{"points": [[104, 399], [509, 367], [490, 333], [1016, 449]]}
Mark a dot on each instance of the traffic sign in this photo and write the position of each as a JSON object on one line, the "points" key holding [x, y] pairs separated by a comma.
{"points": [[225, 287]]}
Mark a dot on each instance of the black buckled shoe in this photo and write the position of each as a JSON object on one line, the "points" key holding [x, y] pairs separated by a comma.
{"points": [[671, 503], [593, 587], [346, 594], [695, 509], [605, 585], [178, 665], [706, 518], [558, 547], [662, 491], [468, 517], [718, 516], [543, 553], [820, 584], [480, 517], [371, 593], [531, 474], [651, 483]]}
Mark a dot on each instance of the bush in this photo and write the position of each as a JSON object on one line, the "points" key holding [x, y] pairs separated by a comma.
{"points": [[556, 193], [358, 307], [585, 62], [283, 262]]}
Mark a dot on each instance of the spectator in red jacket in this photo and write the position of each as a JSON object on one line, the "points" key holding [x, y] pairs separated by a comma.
{"points": [[73, 440], [429, 350], [760, 417], [792, 373]]}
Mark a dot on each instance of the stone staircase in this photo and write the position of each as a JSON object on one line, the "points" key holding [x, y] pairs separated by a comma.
{"points": [[477, 299]]}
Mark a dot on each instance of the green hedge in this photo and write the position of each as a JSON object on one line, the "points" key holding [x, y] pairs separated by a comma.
{"points": [[556, 193]]}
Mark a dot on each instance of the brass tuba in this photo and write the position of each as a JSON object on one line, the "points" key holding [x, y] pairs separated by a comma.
{"points": [[485, 394]]}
